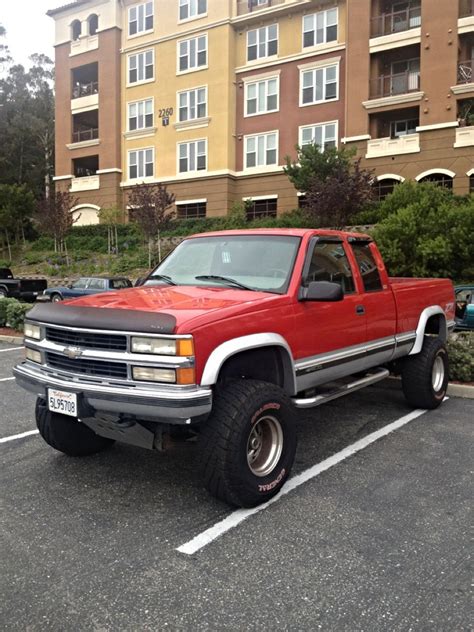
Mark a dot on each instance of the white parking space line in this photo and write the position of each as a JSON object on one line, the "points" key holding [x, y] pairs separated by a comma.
{"points": [[238, 516], [11, 349], [6, 379], [19, 436]]}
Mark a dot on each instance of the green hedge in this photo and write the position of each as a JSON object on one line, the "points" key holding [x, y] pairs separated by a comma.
{"points": [[461, 356], [12, 313]]}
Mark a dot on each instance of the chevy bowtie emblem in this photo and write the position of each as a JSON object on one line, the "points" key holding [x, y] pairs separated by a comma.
{"points": [[72, 352]]}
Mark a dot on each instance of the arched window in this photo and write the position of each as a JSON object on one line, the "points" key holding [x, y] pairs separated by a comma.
{"points": [[442, 177], [384, 185], [93, 22], [76, 29]]}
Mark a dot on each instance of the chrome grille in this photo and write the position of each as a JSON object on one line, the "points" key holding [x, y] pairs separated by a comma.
{"points": [[104, 341], [80, 366]]}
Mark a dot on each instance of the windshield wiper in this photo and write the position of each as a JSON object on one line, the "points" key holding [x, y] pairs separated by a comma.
{"points": [[163, 277], [228, 280]]}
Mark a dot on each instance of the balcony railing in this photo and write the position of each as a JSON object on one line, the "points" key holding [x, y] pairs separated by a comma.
{"points": [[85, 134], [248, 6], [391, 85], [396, 22], [85, 89], [466, 9], [85, 183], [379, 147], [465, 71]]}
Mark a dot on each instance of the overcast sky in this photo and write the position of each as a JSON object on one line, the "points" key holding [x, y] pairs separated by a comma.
{"points": [[29, 30]]}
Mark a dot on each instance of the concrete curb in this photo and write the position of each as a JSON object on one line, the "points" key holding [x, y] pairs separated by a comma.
{"points": [[461, 390], [13, 340]]}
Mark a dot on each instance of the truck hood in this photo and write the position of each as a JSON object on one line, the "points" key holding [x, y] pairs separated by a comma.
{"points": [[190, 306]]}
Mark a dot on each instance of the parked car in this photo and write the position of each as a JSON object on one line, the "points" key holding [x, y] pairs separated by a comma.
{"points": [[22, 289], [225, 341], [464, 307], [85, 286]]}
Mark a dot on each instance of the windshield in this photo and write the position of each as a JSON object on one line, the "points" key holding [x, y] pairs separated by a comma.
{"points": [[256, 262]]}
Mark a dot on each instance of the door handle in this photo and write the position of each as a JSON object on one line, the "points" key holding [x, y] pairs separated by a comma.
{"points": [[360, 310]]}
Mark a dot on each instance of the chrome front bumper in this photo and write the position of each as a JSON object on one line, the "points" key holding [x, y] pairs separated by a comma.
{"points": [[162, 404]]}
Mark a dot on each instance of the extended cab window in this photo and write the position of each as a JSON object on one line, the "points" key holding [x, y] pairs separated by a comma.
{"points": [[367, 266], [330, 263]]}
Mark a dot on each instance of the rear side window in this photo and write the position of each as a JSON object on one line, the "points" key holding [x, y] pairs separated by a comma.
{"points": [[330, 263], [367, 266], [119, 284], [97, 284]]}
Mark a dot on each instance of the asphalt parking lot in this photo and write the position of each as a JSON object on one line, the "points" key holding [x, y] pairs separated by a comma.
{"points": [[377, 542]]}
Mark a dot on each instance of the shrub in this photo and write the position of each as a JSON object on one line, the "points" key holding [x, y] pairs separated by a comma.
{"points": [[461, 357], [4, 304], [430, 236]]}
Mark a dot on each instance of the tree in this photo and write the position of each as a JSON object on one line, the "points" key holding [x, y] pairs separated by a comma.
{"points": [[151, 204], [16, 208], [336, 187], [111, 216], [55, 218]]}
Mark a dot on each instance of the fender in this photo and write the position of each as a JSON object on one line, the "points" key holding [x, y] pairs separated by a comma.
{"points": [[426, 314], [244, 343]]}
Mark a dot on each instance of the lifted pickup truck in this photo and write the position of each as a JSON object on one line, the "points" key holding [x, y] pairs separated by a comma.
{"points": [[227, 338], [24, 289]]}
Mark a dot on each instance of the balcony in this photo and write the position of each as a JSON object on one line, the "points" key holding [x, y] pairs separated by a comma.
{"points": [[380, 147], [396, 22], [395, 84], [466, 8], [81, 90], [465, 72], [84, 44], [86, 183], [464, 137], [84, 135], [249, 6]]}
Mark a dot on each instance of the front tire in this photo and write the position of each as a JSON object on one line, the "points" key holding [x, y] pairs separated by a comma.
{"points": [[67, 434], [56, 298], [248, 443], [425, 375]]}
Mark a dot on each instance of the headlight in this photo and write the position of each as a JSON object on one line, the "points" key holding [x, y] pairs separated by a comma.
{"points": [[163, 346], [32, 331], [145, 374], [34, 356]]}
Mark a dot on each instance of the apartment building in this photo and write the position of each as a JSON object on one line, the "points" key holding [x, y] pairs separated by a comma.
{"points": [[210, 96]]}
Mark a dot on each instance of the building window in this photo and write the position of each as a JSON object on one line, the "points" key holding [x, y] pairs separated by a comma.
{"points": [[302, 202], [320, 28], [192, 104], [140, 164], [140, 115], [140, 18], [191, 8], [319, 85], [192, 156], [383, 188], [261, 151], [261, 97], [471, 184], [93, 23], [191, 210], [262, 42], [440, 179], [76, 29], [193, 53], [261, 208], [403, 128], [140, 67], [323, 135]]}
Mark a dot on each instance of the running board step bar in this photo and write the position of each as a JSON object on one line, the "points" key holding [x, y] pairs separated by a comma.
{"points": [[322, 398]]}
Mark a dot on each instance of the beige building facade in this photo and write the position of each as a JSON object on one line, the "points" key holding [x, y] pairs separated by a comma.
{"points": [[210, 96]]}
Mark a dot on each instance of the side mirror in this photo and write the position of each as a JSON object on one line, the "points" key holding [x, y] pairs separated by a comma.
{"points": [[322, 291]]}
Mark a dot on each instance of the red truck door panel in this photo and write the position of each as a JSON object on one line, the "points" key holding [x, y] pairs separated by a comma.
{"points": [[330, 337], [379, 302]]}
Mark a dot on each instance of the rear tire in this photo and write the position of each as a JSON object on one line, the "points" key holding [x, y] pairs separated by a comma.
{"points": [[67, 434], [248, 443], [425, 375]]}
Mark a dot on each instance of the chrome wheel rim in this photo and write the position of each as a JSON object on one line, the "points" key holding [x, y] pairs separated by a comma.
{"points": [[264, 445], [56, 299], [437, 375]]}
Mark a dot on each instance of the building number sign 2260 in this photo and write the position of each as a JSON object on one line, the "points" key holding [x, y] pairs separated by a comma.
{"points": [[164, 114]]}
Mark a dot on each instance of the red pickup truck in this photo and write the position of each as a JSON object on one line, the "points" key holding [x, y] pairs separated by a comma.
{"points": [[227, 338]]}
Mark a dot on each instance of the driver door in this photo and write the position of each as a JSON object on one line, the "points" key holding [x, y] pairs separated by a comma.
{"points": [[330, 336]]}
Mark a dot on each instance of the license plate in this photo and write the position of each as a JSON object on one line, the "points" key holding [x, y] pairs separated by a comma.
{"points": [[62, 402]]}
